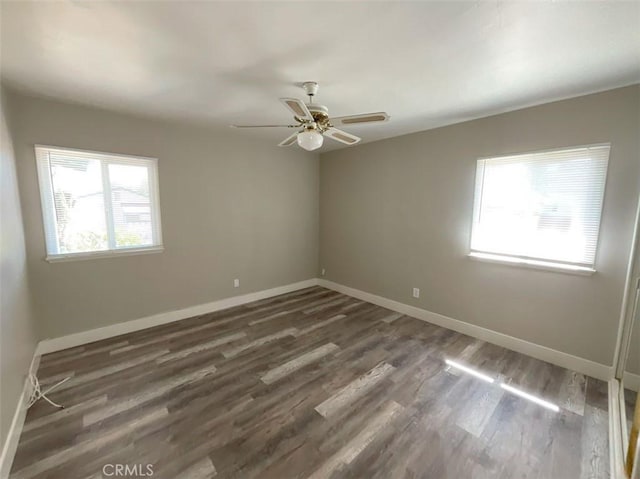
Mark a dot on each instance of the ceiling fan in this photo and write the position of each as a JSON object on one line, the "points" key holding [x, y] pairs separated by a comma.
{"points": [[313, 122]]}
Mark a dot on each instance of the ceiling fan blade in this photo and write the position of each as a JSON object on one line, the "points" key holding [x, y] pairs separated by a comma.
{"points": [[342, 136], [298, 108], [264, 126], [290, 140], [377, 117]]}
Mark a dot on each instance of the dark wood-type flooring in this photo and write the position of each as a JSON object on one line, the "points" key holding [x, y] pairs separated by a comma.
{"points": [[311, 384]]}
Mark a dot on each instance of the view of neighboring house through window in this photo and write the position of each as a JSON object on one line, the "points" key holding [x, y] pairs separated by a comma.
{"points": [[96, 203], [541, 208]]}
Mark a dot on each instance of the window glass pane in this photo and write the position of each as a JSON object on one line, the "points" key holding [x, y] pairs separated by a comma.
{"points": [[541, 205], [131, 206], [95, 202], [79, 204]]}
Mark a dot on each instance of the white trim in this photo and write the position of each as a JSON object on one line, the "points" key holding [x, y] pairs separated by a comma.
{"points": [[531, 263], [13, 436], [627, 310], [574, 363], [122, 157], [547, 150], [110, 253], [47, 200], [622, 420], [528, 157], [107, 195], [616, 450], [631, 381], [84, 337], [154, 190]]}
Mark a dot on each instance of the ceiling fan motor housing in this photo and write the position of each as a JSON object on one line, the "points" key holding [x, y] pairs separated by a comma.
{"points": [[310, 88], [320, 114]]}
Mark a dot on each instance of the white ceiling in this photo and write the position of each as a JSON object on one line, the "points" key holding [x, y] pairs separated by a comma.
{"points": [[426, 63]]}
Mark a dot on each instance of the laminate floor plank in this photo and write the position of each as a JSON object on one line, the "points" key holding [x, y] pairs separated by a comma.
{"points": [[354, 390], [594, 445], [293, 365], [360, 442], [573, 392], [311, 384]]}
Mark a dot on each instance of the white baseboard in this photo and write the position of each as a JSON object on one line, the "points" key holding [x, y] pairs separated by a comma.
{"points": [[574, 363], [631, 381], [85, 337], [13, 436]]}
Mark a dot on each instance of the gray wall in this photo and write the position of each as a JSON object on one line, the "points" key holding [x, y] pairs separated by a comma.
{"points": [[17, 332], [231, 208], [397, 214]]}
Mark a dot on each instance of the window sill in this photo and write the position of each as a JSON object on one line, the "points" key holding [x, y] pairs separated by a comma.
{"points": [[58, 258], [531, 264]]}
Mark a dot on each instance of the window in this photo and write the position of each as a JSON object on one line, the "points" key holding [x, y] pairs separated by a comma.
{"points": [[540, 209], [98, 204]]}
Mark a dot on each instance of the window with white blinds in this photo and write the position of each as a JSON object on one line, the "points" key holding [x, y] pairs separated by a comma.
{"points": [[540, 208], [98, 204]]}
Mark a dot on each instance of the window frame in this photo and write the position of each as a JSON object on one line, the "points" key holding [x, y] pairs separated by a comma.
{"points": [[45, 187], [566, 267]]}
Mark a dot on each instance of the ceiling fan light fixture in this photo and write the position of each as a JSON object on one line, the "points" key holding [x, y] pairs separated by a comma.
{"points": [[313, 123], [310, 140]]}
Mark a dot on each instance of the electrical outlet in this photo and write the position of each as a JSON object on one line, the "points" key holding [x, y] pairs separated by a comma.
{"points": [[323, 271], [236, 283], [416, 292]]}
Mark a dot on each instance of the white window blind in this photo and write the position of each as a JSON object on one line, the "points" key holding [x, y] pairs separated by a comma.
{"points": [[543, 206], [98, 203]]}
